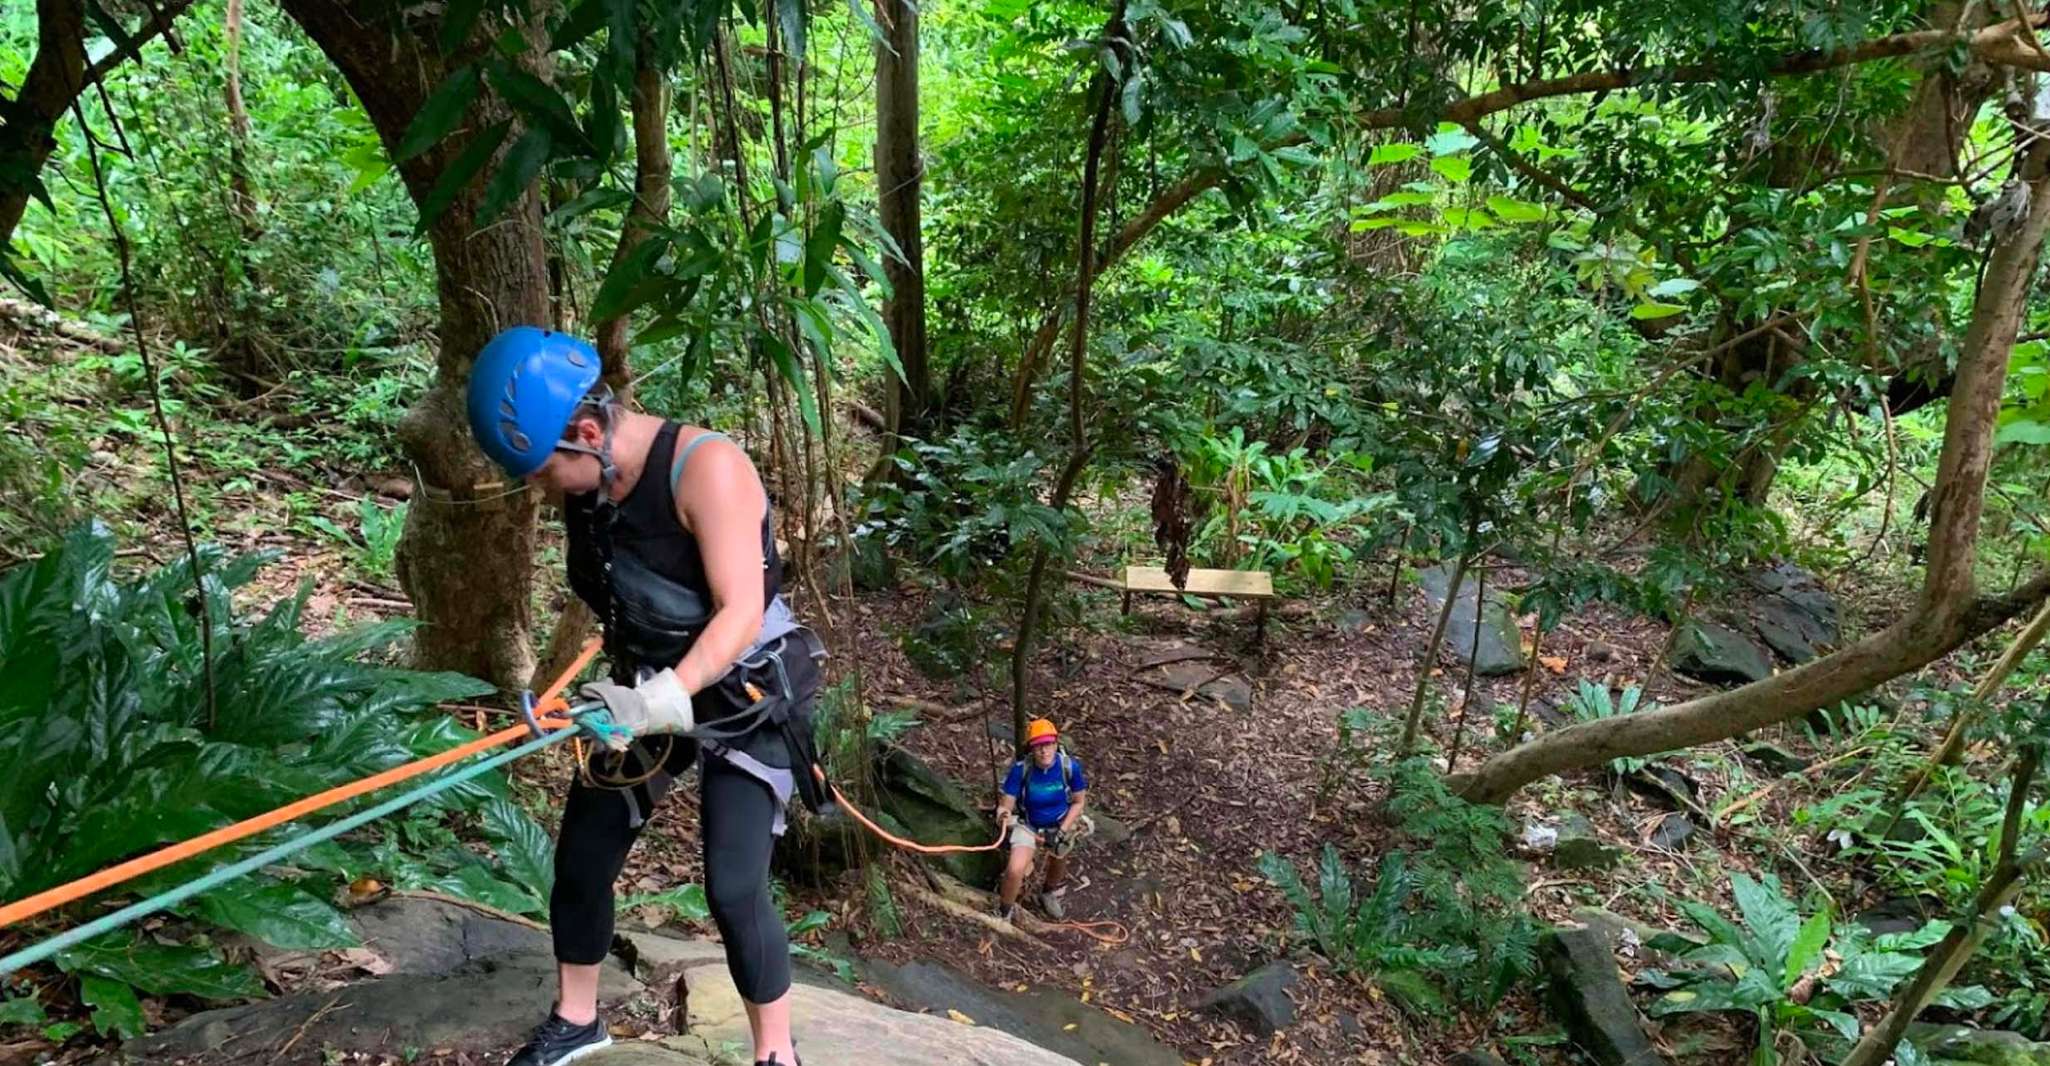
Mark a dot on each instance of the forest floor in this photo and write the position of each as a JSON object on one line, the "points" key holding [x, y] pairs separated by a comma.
{"points": [[1204, 786]]}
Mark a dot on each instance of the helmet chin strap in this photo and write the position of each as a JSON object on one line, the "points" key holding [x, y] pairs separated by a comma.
{"points": [[608, 471]]}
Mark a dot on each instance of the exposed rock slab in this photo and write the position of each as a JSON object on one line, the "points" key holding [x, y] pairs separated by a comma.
{"points": [[1488, 636]]}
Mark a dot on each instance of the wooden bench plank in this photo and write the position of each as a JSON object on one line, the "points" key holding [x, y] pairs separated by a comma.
{"points": [[1248, 584]]}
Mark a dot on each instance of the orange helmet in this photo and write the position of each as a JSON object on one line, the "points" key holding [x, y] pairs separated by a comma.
{"points": [[1040, 731]]}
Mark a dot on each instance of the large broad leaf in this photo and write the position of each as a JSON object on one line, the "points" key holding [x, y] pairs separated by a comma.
{"points": [[116, 1011], [516, 173], [1413, 990], [475, 882], [1702, 996], [1846, 1025], [540, 105], [791, 18], [1717, 927], [440, 113], [1807, 945], [885, 347], [161, 969], [460, 173], [631, 281], [1872, 975], [456, 20], [793, 372], [687, 902], [819, 247], [524, 848], [278, 913], [24, 1011], [1768, 915]]}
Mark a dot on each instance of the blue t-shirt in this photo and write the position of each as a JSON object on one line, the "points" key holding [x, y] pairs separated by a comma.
{"points": [[1045, 799]]}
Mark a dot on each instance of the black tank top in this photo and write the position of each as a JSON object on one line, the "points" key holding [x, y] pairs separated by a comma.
{"points": [[641, 572]]}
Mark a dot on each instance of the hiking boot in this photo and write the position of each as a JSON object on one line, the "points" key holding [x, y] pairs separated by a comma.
{"points": [[1006, 911], [1050, 902], [556, 1041]]}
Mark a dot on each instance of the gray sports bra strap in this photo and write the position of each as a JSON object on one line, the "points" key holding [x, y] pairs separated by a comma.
{"points": [[683, 453]]}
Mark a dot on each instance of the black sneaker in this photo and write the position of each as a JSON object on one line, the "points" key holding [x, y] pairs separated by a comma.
{"points": [[556, 1041]]}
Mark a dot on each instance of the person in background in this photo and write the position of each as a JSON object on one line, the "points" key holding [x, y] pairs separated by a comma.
{"points": [[1044, 795]]}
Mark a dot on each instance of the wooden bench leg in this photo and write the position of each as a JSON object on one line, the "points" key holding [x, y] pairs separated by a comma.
{"points": [[1260, 631], [1128, 603]]}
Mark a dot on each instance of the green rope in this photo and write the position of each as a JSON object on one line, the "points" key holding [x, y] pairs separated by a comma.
{"points": [[44, 949]]}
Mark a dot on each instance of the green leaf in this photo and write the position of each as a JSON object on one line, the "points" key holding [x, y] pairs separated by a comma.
{"points": [[539, 104], [1454, 168], [116, 1011], [787, 365], [524, 848], [819, 247], [1128, 98], [1450, 140], [1846, 1025], [2024, 431], [1872, 975], [1515, 211], [474, 882], [460, 173], [791, 18], [280, 914], [885, 346], [1909, 238], [1768, 915], [1385, 154], [440, 113], [1653, 309], [1674, 287], [1966, 997], [32, 286], [686, 901], [631, 282], [23, 1011], [1467, 218], [456, 20], [1807, 945], [586, 20], [1927, 936], [516, 174], [1400, 199], [594, 200], [162, 969]]}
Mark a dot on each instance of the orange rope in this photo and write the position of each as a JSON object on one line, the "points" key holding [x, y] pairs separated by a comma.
{"points": [[1089, 929], [550, 702], [907, 845], [1118, 933]]}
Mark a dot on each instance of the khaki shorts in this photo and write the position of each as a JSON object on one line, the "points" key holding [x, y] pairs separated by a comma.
{"points": [[1024, 836]]}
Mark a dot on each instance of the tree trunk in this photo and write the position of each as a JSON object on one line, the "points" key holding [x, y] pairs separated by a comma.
{"points": [[1946, 614], [1078, 344], [653, 167], [899, 179], [241, 189], [467, 557], [56, 77], [54, 80]]}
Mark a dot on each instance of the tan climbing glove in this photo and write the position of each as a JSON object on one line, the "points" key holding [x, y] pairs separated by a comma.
{"points": [[656, 705]]}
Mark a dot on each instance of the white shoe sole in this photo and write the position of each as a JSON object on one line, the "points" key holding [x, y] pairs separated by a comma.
{"points": [[587, 1049]]}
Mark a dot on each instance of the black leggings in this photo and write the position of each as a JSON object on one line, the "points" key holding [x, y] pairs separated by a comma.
{"points": [[738, 810]]}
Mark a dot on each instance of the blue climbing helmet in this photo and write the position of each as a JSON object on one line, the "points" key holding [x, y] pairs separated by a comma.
{"points": [[525, 387]]}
